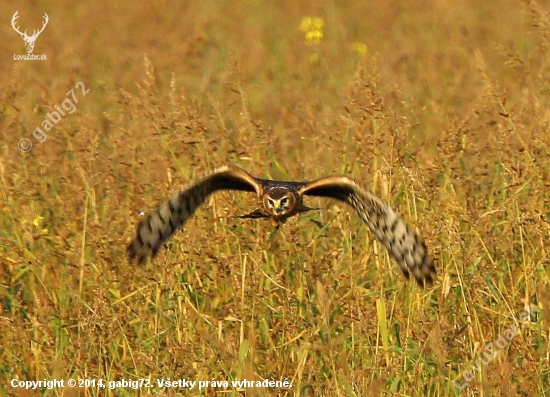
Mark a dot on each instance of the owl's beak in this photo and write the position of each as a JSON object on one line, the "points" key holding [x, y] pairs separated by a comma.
{"points": [[277, 208]]}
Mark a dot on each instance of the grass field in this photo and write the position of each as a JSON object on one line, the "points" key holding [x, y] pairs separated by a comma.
{"points": [[442, 108]]}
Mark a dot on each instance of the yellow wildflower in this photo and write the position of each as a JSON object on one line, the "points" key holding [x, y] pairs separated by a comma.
{"points": [[313, 57], [305, 25], [313, 29], [360, 49], [314, 36], [37, 221], [317, 24]]}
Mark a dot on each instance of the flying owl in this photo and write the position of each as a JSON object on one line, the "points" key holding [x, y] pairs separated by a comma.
{"points": [[279, 200]]}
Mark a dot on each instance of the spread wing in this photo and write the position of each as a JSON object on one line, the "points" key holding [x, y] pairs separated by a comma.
{"points": [[403, 244], [172, 213]]}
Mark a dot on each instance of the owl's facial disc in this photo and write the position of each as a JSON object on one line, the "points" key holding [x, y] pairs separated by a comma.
{"points": [[280, 206]]}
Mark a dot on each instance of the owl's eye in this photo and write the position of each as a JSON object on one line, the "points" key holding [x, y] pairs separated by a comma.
{"points": [[270, 202], [284, 201]]}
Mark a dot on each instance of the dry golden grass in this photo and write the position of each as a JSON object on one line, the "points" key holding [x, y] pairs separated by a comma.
{"points": [[442, 108]]}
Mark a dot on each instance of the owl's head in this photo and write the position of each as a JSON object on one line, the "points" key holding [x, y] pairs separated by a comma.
{"points": [[279, 202]]}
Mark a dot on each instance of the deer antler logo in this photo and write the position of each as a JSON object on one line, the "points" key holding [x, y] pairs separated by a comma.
{"points": [[29, 40]]}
